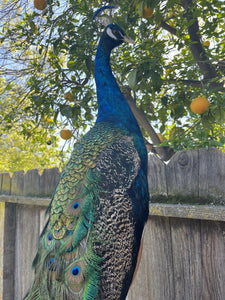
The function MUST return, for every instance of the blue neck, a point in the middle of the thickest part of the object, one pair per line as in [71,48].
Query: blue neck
[112,105]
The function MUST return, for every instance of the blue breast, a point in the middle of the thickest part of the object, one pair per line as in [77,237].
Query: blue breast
[112,105]
[113,108]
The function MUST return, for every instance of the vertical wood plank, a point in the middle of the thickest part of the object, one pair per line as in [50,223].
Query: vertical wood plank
[32,183]
[6,183]
[139,289]
[213,258]
[212,175]
[182,174]
[48,181]
[187,265]
[1,183]
[156,177]
[154,279]
[9,251]
[17,187]
[2,220]
[27,235]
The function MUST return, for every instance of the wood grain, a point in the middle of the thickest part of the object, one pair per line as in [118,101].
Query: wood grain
[212,175]
[182,174]
[200,212]
[184,242]
[9,251]
[48,182]
[187,270]
[27,233]
[2,223]
[157,256]
[191,176]
[6,183]
[157,177]
[213,260]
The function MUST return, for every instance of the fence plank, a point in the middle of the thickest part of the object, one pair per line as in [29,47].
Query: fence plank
[2,221]
[48,182]
[151,282]
[32,183]
[186,245]
[27,233]
[157,177]
[212,175]
[182,175]
[213,260]
[18,183]
[6,183]
[9,251]
[201,212]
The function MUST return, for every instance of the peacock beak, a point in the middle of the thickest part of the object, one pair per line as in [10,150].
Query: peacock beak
[127,39]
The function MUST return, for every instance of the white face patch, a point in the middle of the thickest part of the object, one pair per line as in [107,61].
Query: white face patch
[109,32]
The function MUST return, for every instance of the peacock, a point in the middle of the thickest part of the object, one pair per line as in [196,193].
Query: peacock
[90,244]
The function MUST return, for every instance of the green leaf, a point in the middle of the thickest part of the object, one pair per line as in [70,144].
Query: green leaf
[164,100]
[132,79]
[66,110]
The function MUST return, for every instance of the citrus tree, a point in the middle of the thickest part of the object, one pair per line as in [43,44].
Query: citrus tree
[178,57]
[24,143]
[18,153]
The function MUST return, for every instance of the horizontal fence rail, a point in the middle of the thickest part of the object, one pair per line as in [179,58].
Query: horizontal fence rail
[184,241]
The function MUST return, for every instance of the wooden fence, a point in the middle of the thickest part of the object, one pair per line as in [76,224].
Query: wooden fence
[184,241]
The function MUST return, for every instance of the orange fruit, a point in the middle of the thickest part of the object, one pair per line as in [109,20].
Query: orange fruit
[40,4]
[199,105]
[147,12]
[66,134]
[69,96]
[206,43]
[48,120]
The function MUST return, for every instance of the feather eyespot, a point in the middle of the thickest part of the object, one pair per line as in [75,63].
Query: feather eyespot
[50,237]
[70,226]
[59,233]
[75,271]
[74,208]
[75,276]
[49,240]
[76,205]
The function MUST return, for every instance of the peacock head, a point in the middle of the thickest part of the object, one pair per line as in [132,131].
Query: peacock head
[114,36]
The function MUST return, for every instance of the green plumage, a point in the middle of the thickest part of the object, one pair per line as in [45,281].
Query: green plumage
[77,228]
[88,249]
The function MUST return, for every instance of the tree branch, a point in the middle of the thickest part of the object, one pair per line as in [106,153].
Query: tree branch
[196,47]
[197,50]
[198,83]
[164,152]
[169,28]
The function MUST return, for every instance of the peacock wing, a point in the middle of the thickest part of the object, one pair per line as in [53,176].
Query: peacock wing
[66,266]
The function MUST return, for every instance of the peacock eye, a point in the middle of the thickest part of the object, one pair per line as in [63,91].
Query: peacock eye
[115,31]
[76,205]
[50,237]
[75,271]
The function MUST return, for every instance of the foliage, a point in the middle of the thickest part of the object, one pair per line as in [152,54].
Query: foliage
[51,52]
[17,153]
[24,143]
